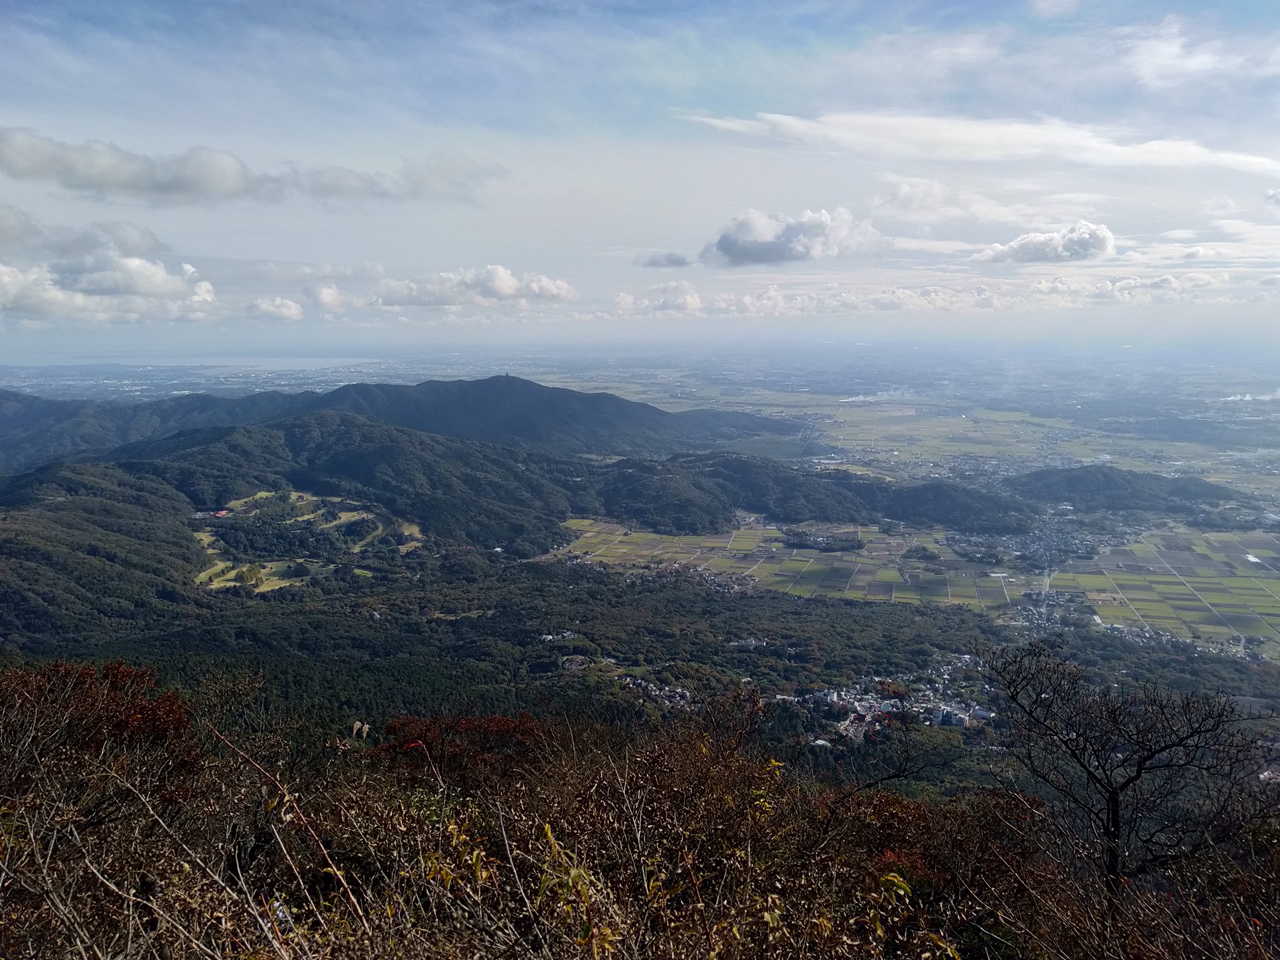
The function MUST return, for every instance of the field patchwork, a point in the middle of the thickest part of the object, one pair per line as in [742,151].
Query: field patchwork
[1220,589]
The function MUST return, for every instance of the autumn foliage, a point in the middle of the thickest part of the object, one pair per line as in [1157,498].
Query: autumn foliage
[132,826]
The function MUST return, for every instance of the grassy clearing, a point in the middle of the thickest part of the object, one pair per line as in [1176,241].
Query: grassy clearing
[274,573]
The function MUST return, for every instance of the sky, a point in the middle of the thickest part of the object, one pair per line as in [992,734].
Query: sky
[383,178]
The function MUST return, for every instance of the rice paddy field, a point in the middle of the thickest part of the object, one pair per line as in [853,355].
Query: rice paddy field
[1210,586]
[1214,588]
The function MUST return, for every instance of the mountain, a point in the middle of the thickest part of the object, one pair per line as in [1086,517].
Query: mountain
[86,545]
[455,491]
[492,495]
[89,544]
[506,410]
[1100,487]
[520,413]
[35,431]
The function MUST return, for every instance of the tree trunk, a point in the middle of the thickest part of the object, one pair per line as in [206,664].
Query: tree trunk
[1111,843]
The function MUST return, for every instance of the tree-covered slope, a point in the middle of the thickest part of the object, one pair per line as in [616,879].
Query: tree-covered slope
[490,495]
[516,412]
[81,546]
[506,410]
[700,493]
[456,491]
[1100,487]
[35,431]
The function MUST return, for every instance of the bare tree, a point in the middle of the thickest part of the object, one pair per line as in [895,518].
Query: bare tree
[1141,776]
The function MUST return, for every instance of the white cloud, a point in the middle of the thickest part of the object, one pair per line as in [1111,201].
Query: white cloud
[110,274]
[133,293]
[679,296]
[1163,57]
[757,237]
[491,284]
[486,287]
[279,307]
[330,298]
[1081,241]
[960,139]
[102,272]
[202,174]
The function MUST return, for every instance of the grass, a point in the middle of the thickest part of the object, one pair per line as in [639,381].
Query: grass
[274,574]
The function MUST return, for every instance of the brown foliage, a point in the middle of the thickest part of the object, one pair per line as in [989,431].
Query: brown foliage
[130,830]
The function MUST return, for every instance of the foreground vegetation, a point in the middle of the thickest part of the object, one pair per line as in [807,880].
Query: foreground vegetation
[146,824]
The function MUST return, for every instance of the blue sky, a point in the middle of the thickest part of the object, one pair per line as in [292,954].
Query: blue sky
[395,175]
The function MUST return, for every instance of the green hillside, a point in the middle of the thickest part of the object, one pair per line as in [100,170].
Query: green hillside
[506,410]
[1100,487]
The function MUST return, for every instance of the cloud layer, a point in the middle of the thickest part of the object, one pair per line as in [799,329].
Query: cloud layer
[202,174]
[963,139]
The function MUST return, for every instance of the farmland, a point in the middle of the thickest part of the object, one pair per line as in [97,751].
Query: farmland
[921,436]
[1203,587]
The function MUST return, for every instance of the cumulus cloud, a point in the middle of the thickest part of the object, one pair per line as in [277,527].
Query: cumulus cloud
[1081,241]
[134,291]
[669,260]
[679,296]
[756,237]
[961,139]
[202,174]
[104,272]
[492,284]
[330,298]
[280,308]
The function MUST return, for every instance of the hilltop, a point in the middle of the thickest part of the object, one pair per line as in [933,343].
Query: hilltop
[505,410]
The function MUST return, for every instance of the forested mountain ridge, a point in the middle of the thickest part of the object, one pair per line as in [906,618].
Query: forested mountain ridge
[1096,487]
[434,480]
[457,491]
[506,410]
[88,541]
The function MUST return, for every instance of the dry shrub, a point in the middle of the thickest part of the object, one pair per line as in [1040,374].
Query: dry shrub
[132,830]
